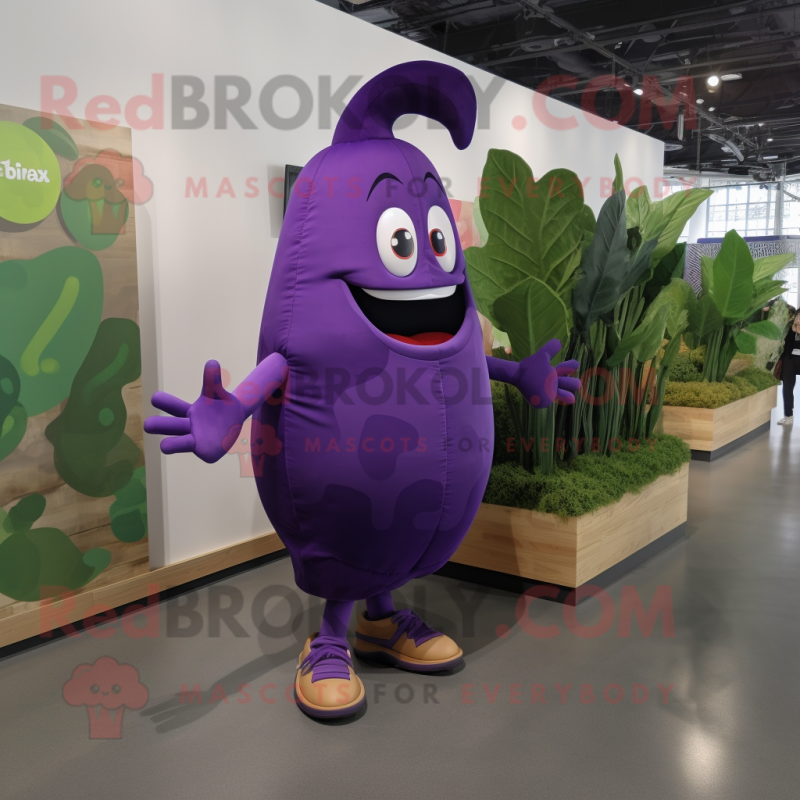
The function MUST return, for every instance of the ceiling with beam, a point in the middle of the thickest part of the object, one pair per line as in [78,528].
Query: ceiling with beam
[728,71]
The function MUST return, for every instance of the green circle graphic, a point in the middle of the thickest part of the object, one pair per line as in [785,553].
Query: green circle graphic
[30,179]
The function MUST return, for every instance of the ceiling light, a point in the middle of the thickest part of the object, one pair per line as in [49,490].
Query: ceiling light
[760,124]
[770,139]
[638,91]
[732,76]
[769,158]
[699,101]
[728,145]
[712,81]
[712,108]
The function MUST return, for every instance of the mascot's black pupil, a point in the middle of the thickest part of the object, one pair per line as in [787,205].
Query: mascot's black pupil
[403,243]
[438,243]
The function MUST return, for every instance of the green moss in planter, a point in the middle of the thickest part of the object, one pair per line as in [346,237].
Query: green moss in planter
[702,394]
[588,482]
[684,370]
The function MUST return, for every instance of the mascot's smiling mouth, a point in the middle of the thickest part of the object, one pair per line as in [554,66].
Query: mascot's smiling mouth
[414,316]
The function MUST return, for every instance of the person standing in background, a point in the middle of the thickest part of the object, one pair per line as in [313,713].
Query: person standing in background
[791,367]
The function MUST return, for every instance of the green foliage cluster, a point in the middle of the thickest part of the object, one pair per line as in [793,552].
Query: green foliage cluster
[683,371]
[702,394]
[735,289]
[585,483]
[577,486]
[609,289]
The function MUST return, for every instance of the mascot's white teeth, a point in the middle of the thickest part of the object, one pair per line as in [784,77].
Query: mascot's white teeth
[434,293]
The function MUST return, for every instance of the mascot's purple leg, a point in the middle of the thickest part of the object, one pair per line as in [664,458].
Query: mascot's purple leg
[380,606]
[336,618]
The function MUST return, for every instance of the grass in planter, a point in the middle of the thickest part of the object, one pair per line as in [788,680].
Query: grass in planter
[581,485]
[702,394]
[588,482]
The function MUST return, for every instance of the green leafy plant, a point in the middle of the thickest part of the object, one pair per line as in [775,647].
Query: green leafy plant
[522,278]
[734,288]
[631,306]
[610,290]
[580,485]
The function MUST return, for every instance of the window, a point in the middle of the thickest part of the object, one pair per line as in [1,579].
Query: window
[791,209]
[749,208]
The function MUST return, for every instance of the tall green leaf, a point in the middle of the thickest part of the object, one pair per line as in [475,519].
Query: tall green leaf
[672,265]
[530,229]
[638,207]
[619,179]
[746,343]
[765,290]
[766,267]
[765,328]
[675,211]
[732,275]
[704,318]
[533,314]
[646,339]
[476,215]
[587,223]
[639,269]
[678,297]
[707,273]
[604,265]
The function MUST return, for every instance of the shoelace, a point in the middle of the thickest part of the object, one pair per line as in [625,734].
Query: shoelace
[407,621]
[328,658]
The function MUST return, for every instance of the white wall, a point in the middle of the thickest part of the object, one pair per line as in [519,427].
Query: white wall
[204,264]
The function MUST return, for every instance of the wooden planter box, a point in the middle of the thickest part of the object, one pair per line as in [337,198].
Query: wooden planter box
[712,432]
[594,549]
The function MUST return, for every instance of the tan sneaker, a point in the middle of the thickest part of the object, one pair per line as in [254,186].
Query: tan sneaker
[405,641]
[326,685]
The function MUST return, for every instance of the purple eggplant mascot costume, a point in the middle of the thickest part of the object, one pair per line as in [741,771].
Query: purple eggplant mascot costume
[370,400]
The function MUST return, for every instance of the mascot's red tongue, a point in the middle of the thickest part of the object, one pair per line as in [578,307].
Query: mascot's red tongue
[423,338]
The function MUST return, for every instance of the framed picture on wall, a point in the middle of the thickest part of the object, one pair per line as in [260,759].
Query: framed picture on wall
[289,178]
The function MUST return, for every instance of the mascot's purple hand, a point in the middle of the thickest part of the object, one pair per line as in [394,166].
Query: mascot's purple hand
[208,427]
[541,384]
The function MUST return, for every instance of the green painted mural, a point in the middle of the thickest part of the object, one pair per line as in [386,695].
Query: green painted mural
[50,307]
[41,562]
[70,362]
[92,452]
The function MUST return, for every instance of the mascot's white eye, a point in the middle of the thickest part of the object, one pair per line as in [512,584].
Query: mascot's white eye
[397,242]
[443,242]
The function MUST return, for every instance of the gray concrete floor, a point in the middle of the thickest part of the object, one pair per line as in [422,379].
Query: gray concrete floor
[728,729]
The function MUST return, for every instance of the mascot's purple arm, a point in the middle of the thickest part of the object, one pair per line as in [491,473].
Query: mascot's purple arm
[210,426]
[373,462]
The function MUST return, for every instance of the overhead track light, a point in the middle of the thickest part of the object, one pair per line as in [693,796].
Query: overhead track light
[712,80]
[731,76]
[727,145]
